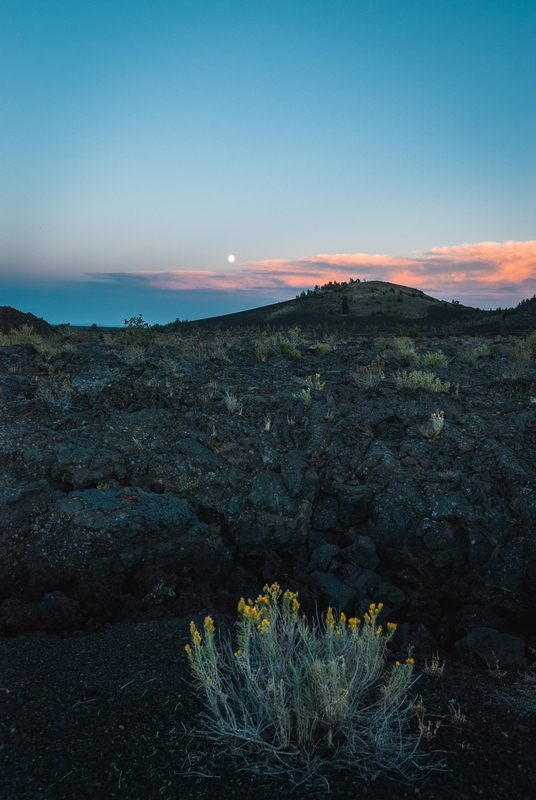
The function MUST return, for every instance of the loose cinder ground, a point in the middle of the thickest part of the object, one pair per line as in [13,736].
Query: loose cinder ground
[110,715]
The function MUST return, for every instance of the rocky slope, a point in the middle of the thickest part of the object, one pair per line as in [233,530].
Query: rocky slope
[142,475]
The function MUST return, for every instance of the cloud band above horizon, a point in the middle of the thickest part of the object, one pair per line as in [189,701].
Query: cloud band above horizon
[485,273]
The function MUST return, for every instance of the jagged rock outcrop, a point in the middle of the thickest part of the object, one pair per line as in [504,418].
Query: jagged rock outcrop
[195,458]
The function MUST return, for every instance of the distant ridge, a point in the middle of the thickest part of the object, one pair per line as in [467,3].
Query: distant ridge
[11,319]
[373,306]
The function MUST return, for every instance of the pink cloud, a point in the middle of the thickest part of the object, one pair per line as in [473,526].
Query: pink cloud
[486,273]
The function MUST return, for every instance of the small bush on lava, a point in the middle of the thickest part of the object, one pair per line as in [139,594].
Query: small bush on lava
[421,380]
[295,698]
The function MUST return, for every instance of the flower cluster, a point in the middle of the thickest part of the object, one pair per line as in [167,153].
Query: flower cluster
[308,692]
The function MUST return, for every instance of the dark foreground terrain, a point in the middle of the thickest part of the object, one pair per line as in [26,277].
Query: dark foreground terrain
[147,476]
[108,716]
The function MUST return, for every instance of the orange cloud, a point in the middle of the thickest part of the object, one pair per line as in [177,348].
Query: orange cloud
[486,273]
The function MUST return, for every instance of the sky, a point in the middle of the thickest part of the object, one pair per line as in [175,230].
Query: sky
[142,143]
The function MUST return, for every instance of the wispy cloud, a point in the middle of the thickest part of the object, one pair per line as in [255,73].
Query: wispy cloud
[488,273]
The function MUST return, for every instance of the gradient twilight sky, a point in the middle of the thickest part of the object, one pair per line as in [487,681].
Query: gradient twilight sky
[142,142]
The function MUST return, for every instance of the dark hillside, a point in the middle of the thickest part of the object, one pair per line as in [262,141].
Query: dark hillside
[361,307]
[11,319]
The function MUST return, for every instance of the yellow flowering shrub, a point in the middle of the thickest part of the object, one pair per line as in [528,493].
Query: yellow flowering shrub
[296,697]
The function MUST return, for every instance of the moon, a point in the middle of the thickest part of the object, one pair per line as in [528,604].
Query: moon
[230,258]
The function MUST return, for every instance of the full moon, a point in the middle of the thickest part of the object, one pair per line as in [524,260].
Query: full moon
[230,258]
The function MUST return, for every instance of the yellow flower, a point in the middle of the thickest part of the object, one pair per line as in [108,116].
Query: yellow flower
[391,627]
[410,661]
[353,622]
[252,613]
[188,650]
[290,595]
[266,622]
[238,653]
[342,618]
[209,678]
[262,599]
[241,604]
[196,638]
[295,604]
[192,627]
[379,630]
[397,663]
[330,620]
[209,624]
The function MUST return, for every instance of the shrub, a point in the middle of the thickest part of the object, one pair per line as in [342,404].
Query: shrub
[435,360]
[262,349]
[134,356]
[421,380]
[481,351]
[369,377]
[110,340]
[286,349]
[194,350]
[405,350]
[295,698]
[531,342]
[47,350]
[314,382]
[304,395]
[232,403]
[521,351]
[436,424]
[217,351]
[137,331]
[521,698]
[24,335]
[277,345]
[56,390]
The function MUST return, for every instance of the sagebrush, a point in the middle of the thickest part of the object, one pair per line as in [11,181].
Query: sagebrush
[294,698]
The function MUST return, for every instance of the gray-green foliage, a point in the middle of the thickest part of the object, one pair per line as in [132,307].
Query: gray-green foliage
[295,698]
[404,348]
[278,344]
[437,360]
[421,380]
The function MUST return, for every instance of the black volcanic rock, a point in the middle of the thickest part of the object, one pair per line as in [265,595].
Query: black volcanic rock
[488,648]
[153,486]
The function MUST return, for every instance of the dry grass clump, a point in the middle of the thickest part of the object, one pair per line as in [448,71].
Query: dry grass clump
[435,668]
[521,698]
[232,403]
[294,698]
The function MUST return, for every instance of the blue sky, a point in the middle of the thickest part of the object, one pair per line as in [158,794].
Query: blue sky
[144,139]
